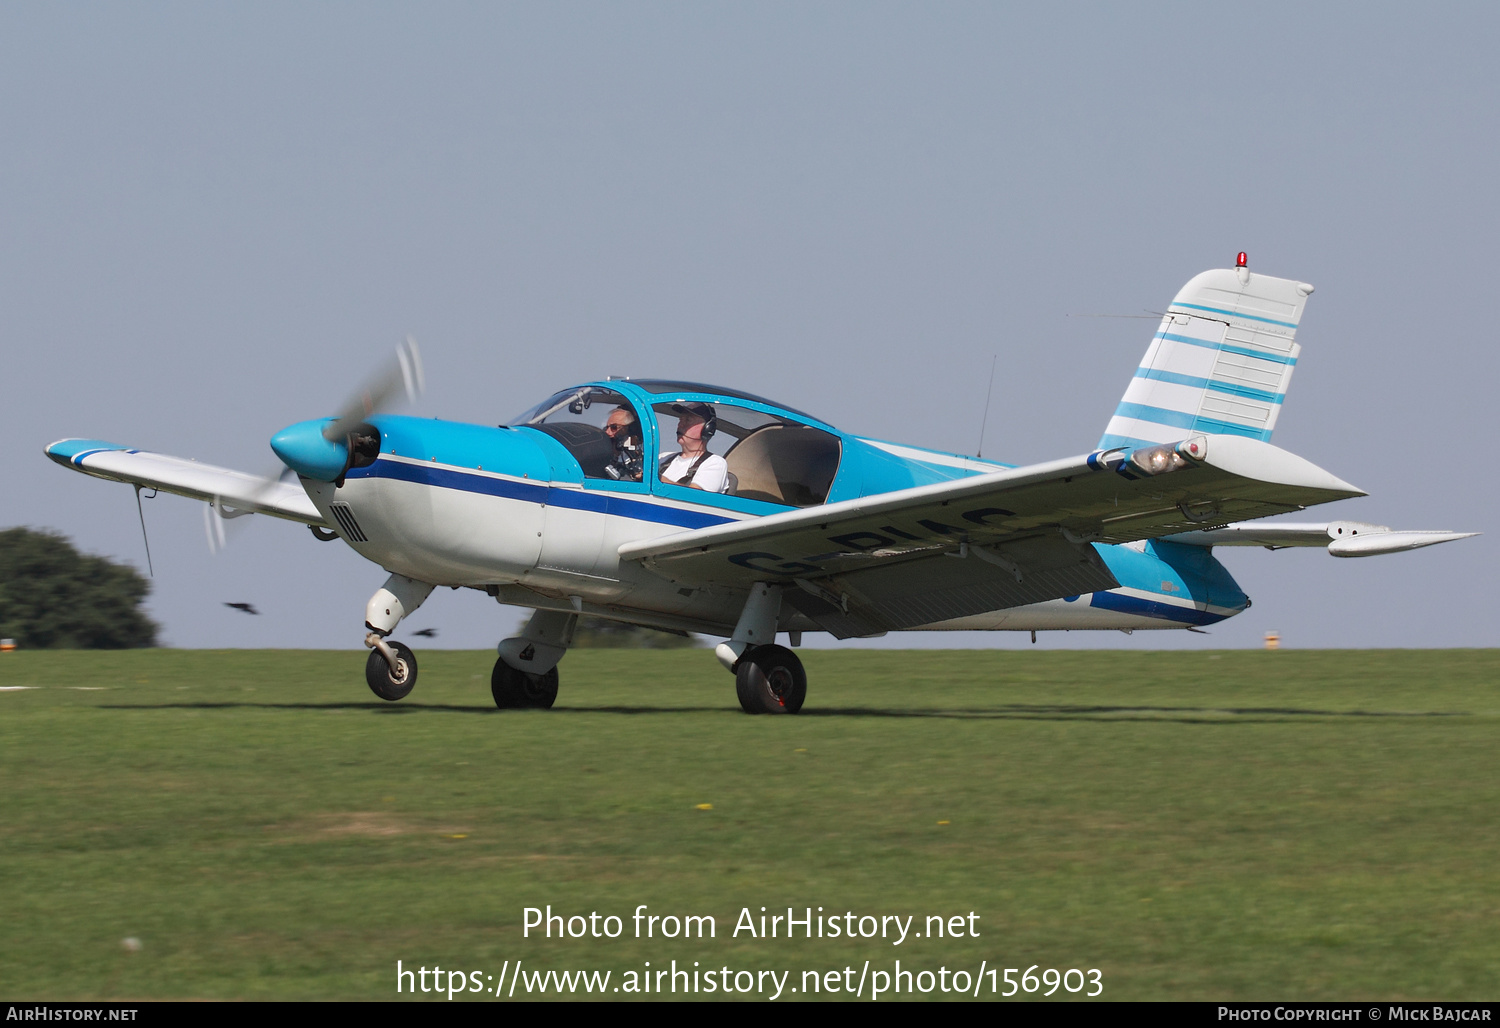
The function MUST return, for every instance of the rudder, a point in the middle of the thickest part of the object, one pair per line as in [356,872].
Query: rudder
[1219,363]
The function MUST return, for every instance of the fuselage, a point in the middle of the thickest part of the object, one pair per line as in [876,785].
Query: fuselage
[532,513]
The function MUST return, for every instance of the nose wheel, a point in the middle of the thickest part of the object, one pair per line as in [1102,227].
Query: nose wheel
[770,680]
[391,680]
[513,689]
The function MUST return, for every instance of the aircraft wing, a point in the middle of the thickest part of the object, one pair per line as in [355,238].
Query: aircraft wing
[231,490]
[881,562]
[1341,538]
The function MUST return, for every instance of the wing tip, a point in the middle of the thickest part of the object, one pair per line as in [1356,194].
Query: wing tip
[71,452]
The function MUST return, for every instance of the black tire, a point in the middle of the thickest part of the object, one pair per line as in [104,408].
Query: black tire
[513,689]
[392,683]
[770,680]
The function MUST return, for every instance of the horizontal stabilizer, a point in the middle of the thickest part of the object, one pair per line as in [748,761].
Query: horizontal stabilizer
[1342,538]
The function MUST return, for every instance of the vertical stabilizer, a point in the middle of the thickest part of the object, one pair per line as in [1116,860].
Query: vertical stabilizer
[1220,362]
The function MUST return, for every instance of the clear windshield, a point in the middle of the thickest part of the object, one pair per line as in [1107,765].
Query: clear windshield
[598,426]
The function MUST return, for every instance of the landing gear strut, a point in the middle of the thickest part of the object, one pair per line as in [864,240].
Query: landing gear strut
[526,673]
[768,679]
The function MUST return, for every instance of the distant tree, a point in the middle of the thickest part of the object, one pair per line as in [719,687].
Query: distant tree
[53,597]
[603,634]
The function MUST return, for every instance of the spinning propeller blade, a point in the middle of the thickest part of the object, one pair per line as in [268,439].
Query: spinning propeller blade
[399,379]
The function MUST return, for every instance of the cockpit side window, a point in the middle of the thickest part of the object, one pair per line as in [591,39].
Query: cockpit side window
[598,426]
[770,458]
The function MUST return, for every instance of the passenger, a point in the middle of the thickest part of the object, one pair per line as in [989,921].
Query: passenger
[624,430]
[694,466]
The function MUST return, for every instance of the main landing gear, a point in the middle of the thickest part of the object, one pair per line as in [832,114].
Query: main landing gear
[525,674]
[512,689]
[768,679]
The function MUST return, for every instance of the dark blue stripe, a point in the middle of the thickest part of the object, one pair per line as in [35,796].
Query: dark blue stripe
[530,492]
[447,478]
[1153,609]
[1237,314]
[79,458]
[639,510]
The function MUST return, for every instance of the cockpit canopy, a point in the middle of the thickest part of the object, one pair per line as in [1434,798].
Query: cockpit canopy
[772,455]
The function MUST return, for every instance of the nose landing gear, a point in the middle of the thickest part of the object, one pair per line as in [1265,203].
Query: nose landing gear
[391,679]
[391,669]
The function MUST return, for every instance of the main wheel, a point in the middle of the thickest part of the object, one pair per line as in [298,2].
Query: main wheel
[392,683]
[512,688]
[770,680]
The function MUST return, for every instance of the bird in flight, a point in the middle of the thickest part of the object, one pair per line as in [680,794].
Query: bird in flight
[430,633]
[248,608]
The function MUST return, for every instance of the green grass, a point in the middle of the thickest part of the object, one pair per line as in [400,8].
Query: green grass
[1237,825]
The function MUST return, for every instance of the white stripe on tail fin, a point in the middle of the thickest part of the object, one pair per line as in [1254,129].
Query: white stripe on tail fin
[1220,362]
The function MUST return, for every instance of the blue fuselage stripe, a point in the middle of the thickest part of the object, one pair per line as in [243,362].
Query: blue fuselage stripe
[1236,314]
[1126,604]
[574,499]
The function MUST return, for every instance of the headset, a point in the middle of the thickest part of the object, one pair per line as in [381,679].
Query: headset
[696,409]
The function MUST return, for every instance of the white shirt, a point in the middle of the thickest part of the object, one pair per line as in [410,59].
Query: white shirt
[712,475]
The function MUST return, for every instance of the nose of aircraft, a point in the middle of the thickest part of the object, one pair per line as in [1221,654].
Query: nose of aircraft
[302,448]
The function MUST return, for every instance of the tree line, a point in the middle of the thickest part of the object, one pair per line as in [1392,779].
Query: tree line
[53,597]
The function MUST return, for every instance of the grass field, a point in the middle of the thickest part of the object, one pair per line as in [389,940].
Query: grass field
[1235,825]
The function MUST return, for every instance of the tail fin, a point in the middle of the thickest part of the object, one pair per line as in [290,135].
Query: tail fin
[1220,362]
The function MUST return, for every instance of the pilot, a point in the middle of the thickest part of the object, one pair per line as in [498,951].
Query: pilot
[695,467]
[624,430]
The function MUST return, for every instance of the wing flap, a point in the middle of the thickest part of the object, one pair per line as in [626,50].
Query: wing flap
[232,489]
[937,587]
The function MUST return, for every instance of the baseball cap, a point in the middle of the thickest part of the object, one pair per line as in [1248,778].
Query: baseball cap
[695,409]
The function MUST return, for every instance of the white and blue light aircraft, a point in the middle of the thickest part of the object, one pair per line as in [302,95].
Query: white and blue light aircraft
[798,527]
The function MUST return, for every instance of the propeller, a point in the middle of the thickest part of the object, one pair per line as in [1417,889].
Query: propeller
[314,448]
[400,379]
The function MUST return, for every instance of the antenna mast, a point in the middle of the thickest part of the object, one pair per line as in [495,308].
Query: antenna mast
[989,394]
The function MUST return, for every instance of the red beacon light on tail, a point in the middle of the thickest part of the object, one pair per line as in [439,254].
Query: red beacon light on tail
[1242,261]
